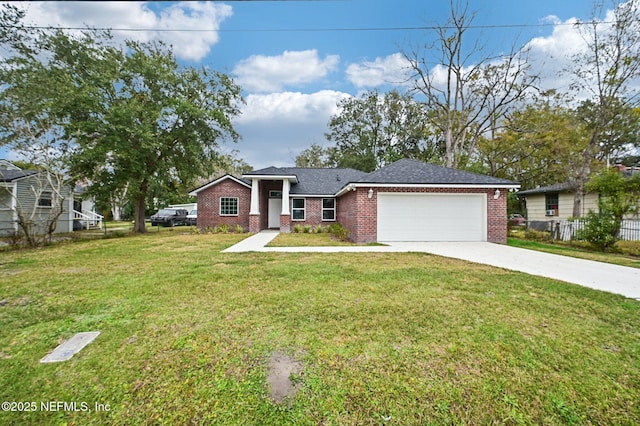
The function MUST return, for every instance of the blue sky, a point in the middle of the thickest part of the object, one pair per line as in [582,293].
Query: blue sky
[292,79]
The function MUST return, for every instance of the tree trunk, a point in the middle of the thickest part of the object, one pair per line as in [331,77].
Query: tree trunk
[584,172]
[449,154]
[139,226]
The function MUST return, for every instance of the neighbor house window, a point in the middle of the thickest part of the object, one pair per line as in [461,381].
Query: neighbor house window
[328,209]
[5,199]
[46,199]
[551,204]
[298,209]
[228,206]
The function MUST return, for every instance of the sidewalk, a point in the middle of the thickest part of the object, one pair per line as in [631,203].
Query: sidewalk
[253,243]
[258,242]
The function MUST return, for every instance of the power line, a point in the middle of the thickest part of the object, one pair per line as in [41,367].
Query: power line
[346,29]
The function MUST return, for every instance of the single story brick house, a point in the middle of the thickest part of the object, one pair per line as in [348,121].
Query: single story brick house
[405,201]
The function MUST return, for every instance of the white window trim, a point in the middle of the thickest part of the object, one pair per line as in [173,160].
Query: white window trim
[51,199]
[333,209]
[228,214]
[304,210]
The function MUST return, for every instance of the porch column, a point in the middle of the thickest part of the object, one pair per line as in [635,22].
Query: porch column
[255,205]
[285,196]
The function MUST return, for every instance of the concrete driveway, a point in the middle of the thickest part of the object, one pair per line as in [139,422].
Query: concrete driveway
[597,275]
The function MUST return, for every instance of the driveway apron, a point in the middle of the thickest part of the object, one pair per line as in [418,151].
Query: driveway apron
[597,275]
[615,279]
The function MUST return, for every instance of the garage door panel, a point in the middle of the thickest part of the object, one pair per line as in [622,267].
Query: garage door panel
[431,217]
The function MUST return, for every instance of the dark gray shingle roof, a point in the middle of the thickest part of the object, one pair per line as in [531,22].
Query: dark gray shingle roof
[11,175]
[313,181]
[416,172]
[558,187]
[317,181]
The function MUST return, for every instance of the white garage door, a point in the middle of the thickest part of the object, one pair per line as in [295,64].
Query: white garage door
[432,217]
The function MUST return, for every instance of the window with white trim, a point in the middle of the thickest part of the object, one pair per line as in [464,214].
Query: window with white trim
[46,199]
[328,209]
[228,206]
[6,198]
[298,209]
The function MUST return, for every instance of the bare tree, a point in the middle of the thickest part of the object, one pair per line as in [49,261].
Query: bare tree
[468,91]
[604,73]
[35,200]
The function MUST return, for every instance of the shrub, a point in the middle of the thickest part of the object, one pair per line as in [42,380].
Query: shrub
[306,229]
[339,232]
[532,234]
[297,229]
[630,248]
[238,229]
[318,229]
[601,229]
[222,229]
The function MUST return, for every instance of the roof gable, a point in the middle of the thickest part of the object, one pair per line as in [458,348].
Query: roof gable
[311,181]
[217,181]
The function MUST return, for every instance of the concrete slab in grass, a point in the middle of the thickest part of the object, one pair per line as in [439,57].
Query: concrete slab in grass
[68,349]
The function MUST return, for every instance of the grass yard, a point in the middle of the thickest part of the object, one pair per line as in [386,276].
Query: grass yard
[382,339]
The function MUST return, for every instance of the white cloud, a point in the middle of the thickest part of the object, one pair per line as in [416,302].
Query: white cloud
[291,106]
[261,73]
[552,55]
[276,127]
[392,69]
[189,45]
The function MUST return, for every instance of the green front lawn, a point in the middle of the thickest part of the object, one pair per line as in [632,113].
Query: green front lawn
[382,338]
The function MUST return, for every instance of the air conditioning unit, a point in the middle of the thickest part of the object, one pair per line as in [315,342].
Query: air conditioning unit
[551,212]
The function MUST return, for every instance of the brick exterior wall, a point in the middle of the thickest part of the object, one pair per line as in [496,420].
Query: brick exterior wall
[359,213]
[497,217]
[313,213]
[354,209]
[209,205]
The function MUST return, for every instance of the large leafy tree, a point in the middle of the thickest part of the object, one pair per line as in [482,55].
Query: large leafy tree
[316,156]
[133,121]
[375,129]
[11,28]
[538,146]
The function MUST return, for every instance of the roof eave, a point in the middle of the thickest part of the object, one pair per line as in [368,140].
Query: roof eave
[290,178]
[355,185]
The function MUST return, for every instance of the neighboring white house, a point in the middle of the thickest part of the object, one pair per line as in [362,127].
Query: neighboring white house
[555,202]
[37,195]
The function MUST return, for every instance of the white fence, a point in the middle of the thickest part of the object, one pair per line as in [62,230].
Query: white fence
[567,230]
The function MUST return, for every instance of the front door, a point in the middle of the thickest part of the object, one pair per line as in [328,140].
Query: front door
[275,207]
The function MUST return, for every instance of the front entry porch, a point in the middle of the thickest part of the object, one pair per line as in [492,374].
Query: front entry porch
[270,203]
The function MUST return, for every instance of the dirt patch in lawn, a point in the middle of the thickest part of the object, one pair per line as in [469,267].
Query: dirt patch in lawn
[283,371]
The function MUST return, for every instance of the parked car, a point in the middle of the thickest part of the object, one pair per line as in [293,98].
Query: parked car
[169,217]
[517,219]
[192,217]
